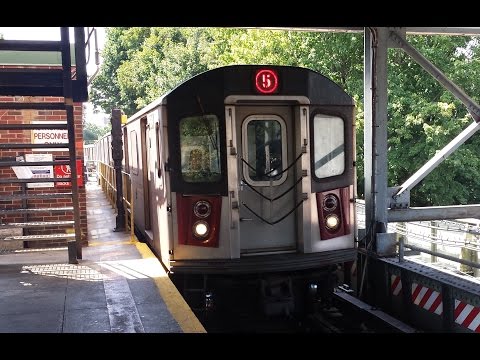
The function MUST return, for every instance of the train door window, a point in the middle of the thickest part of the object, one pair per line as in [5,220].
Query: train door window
[126,154]
[148,153]
[264,150]
[200,149]
[134,149]
[158,135]
[329,146]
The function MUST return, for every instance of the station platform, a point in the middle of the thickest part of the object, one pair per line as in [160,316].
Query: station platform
[118,287]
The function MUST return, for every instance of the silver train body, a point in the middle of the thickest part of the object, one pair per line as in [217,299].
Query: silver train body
[245,170]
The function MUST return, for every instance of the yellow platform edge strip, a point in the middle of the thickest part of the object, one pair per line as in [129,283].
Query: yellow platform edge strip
[176,304]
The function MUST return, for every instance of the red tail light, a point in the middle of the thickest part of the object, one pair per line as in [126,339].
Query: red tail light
[198,220]
[333,213]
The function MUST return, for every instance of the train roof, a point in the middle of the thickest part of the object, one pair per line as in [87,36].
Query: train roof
[239,79]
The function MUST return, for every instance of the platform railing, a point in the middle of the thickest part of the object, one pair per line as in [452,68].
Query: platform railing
[128,203]
[90,168]
[447,234]
[106,178]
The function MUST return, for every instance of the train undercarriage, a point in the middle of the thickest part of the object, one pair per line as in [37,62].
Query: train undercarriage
[242,302]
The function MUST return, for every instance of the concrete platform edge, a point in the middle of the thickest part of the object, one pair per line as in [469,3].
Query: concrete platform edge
[177,306]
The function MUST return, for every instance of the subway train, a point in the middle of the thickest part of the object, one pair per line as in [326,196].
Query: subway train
[243,185]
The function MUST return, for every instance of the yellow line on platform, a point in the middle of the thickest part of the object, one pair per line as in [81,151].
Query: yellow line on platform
[109,243]
[176,304]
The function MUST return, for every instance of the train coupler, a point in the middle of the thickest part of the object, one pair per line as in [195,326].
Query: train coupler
[276,296]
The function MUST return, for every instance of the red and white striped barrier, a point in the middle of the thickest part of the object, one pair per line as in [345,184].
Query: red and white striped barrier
[465,315]
[396,285]
[422,296]
[427,298]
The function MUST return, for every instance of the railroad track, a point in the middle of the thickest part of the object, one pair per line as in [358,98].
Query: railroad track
[344,313]
[347,314]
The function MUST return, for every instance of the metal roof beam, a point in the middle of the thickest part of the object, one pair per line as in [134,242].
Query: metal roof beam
[458,31]
[437,159]
[472,107]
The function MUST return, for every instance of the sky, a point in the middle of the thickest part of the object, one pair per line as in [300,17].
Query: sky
[53,33]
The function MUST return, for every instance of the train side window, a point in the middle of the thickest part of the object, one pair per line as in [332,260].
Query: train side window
[159,149]
[329,145]
[126,157]
[134,149]
[264,150]
[200,149]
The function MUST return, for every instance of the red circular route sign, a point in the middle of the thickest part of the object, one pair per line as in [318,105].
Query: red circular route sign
[266,81]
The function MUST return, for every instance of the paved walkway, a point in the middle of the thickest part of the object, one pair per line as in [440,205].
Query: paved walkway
[118,287]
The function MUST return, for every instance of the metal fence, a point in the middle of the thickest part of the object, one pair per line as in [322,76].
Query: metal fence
[449,244]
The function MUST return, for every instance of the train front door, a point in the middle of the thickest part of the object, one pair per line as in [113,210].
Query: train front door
[266,191]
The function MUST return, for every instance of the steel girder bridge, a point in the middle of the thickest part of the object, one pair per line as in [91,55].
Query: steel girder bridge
[425,297]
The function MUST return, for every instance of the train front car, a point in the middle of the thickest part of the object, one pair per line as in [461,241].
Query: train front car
[261,165]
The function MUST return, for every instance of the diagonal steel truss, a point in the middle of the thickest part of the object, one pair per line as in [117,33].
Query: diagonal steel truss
[383,204]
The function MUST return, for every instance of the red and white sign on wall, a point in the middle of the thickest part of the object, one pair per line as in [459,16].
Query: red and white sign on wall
[64,171]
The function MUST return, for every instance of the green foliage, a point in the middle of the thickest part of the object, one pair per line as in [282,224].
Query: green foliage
[92,132]
[337,56]
[89,136]
[120,46]
[141,64]
[423,117]
[166,58]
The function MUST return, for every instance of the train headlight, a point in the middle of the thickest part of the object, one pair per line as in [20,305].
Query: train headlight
[202,209]
[332,222]
[201,229]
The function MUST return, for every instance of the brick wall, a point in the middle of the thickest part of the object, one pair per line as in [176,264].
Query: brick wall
[25,136]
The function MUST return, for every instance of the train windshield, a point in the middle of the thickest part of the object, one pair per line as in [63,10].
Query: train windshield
[329,146]
[200,149]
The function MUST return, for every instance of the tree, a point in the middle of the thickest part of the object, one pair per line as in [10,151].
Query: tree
[166,58]
[140,64]
[92,132]
[143,63]
[120,46]
[424,117]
